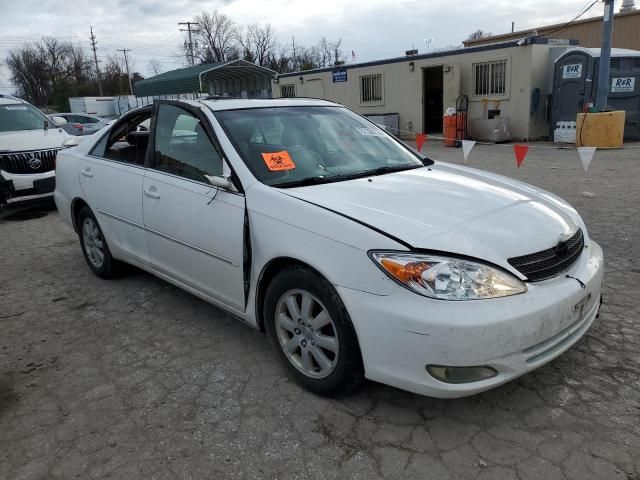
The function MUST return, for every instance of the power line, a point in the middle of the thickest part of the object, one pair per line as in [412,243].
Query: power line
[95,57]
[584,11]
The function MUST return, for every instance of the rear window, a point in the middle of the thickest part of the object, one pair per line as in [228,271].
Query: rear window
[20,116]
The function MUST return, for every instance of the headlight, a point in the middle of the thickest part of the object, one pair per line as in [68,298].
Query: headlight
[447,278]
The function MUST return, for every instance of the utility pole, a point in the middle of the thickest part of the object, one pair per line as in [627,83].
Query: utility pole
[293,49]
[126,64]
[95,57]
[513,27]
[190,46]
[602,95]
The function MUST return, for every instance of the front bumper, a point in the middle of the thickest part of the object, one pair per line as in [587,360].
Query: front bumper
[402,333]
[19,192]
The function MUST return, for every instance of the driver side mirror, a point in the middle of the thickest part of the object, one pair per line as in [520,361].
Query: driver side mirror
[221,181]
[59,121]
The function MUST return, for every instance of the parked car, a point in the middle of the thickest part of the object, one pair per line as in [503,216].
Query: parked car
[81,123]
[28,147]
[357,255]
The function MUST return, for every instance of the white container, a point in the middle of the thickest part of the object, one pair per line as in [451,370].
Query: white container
[565,132]
[100,106]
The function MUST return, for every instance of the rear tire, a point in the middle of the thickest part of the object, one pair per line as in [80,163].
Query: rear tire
[94,246]
[312,333]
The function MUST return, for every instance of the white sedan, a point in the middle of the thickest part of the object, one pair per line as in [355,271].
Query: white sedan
[358,256]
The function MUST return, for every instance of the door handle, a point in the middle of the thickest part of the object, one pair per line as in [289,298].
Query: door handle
[151,193]
[86,172]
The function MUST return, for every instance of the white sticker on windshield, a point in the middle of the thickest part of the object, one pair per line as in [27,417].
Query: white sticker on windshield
[372,132]
[16,107]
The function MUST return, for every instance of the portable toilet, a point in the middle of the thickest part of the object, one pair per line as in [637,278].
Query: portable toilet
[576,81]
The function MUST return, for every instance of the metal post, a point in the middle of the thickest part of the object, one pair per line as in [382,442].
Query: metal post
[602,95]
[95,57]
[126,63]
[190,46]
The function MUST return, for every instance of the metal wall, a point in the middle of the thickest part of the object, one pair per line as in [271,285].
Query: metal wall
[626,32]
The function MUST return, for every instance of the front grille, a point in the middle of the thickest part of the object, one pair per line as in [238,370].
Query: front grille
[37,161]
[551,262]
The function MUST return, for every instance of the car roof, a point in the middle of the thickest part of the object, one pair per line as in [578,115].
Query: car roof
[219,104]
[78,114]
[10,100]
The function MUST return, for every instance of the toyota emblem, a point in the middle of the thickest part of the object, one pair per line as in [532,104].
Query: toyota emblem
[35,163]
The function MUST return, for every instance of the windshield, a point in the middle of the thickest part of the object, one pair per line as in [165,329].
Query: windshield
[20,116]
[295,146]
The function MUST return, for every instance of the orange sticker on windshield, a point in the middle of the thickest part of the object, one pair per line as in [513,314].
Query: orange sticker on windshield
[278,161]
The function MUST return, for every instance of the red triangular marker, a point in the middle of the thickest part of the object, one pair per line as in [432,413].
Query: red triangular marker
[420,139]
[521,153]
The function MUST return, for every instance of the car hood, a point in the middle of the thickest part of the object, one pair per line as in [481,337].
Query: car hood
[25,140]
[452,209]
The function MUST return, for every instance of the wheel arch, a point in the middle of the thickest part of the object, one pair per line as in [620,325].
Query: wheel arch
[268,273]
[76,205]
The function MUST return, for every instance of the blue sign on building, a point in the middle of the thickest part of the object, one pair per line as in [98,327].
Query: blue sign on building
[339,76]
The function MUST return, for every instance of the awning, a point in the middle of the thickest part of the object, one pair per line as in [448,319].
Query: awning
[229,77]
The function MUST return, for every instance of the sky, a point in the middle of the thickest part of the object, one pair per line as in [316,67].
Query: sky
[372,29]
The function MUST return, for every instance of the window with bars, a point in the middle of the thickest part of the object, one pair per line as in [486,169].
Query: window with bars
[288,91]
[490,78]
[371,88]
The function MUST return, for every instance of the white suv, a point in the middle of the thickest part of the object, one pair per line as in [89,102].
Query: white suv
[29,143]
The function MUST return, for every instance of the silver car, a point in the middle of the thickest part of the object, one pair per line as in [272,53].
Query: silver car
[81,123]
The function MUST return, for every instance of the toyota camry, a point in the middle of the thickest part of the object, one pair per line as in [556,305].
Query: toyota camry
[358,256]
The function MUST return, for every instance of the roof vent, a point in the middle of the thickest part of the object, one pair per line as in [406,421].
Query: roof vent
[408,53]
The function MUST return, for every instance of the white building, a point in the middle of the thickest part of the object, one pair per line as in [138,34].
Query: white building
[514,77]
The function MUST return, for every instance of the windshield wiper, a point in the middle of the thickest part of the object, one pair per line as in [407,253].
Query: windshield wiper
[312,181]
[387,169]
[349,176]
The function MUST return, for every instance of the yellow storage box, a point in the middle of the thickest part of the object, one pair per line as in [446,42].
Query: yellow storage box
[602,130]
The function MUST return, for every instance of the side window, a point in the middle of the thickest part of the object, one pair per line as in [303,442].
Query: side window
[127,140]
[182,146]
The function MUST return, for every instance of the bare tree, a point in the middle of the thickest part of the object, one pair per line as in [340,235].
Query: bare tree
[262,39]
[29,74]
[324,53]
[217,36]
[478,35]
[155,66]
[79,65]
[280,60]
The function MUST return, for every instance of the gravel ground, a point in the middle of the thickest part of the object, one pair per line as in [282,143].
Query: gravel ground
[135,379]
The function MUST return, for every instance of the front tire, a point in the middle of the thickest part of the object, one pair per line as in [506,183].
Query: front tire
[94,246]
[312,333]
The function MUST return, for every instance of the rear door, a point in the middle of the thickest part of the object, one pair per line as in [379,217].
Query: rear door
[111,178]
[194,231]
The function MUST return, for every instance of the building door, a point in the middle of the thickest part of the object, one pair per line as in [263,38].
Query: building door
[432,99]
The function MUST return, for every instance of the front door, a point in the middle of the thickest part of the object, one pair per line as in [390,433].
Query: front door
[194,231]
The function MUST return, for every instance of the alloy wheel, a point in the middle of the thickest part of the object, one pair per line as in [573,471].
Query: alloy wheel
[306,333]
[93,242]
